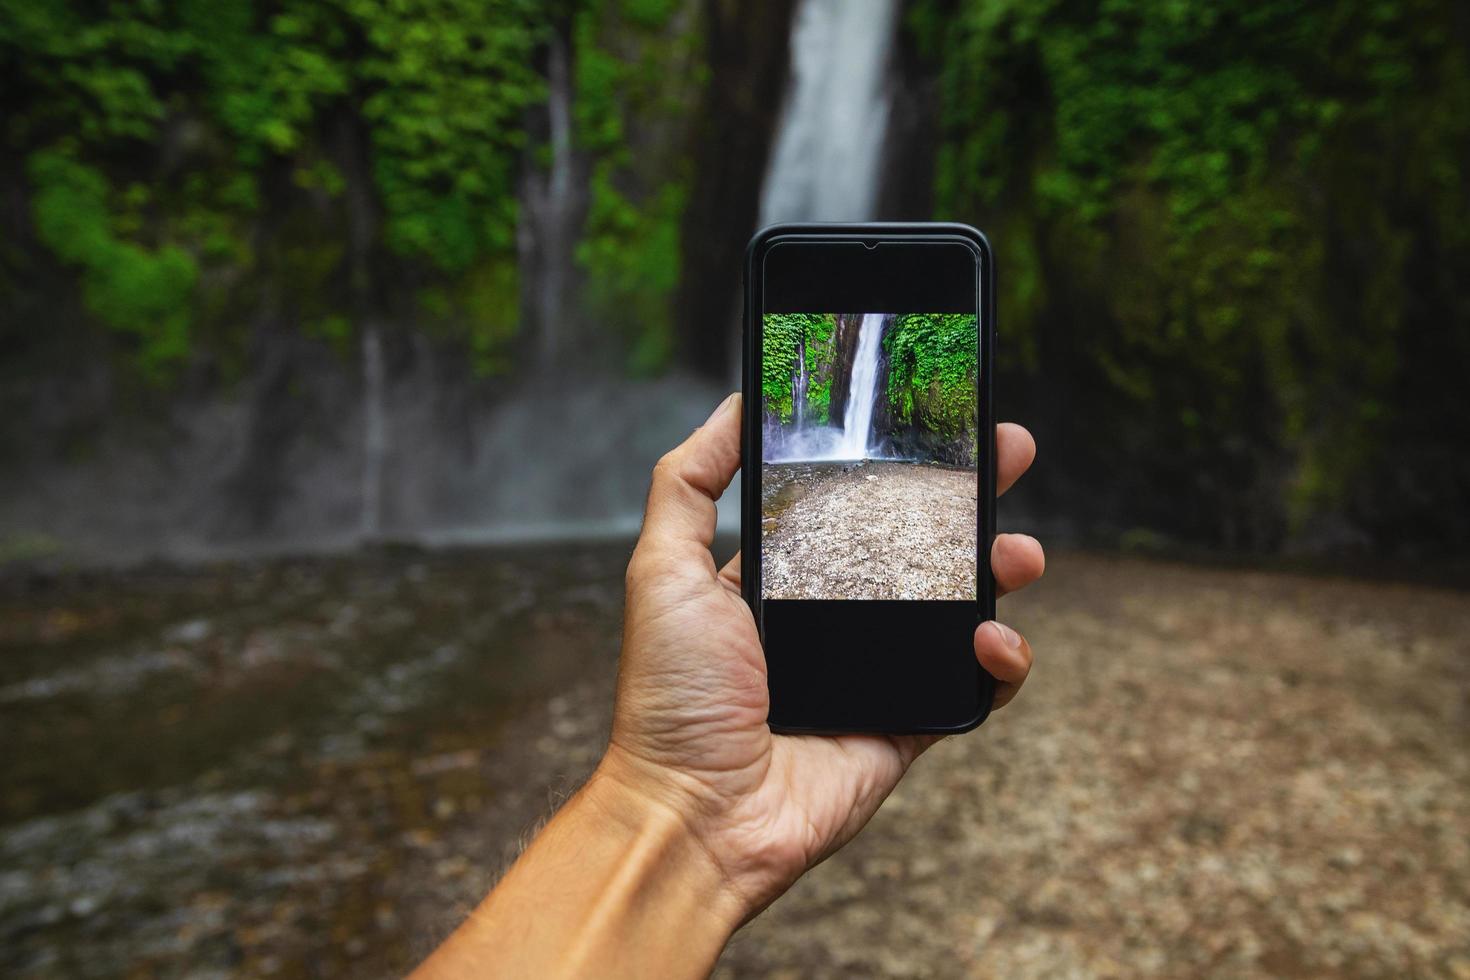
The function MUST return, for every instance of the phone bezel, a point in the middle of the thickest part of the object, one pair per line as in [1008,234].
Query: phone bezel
[753,291]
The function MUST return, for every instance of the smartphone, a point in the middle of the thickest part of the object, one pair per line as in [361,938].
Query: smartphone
[868,483]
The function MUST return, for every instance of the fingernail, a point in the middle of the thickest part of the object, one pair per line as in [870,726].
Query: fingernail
[1008,636]
[720,408]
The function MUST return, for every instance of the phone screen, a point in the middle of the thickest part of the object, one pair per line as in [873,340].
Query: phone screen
[868,455]
[865,520]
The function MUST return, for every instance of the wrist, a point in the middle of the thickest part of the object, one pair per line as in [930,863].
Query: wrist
[668,859]
[616,885]
[669,819]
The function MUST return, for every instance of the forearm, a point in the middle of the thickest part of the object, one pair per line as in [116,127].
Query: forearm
[613,886]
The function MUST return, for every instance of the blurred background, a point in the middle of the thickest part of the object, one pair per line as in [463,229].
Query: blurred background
[339,338]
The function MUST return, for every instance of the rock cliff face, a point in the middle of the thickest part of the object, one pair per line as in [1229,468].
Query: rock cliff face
[913,441]
[321,401]
[748,55]
[845,339]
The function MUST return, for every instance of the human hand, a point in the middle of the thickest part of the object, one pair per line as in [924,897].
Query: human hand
[689,729]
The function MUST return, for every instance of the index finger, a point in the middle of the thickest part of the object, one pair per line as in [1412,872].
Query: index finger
[691,477]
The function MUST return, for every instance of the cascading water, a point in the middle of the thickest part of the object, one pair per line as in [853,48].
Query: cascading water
[374,434]
[558,203]
[827,157]
[549,205]
[857,423]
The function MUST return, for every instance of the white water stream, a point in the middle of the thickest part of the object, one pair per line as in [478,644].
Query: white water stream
[828,149]
[857,422]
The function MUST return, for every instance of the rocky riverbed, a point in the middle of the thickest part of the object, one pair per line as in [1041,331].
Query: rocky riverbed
[314,767]
[867,530]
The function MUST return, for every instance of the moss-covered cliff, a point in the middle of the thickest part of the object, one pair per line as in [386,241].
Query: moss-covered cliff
[1233,257]
[1231,241]
[928,404]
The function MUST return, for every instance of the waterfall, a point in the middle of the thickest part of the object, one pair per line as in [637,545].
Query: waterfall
[545,233]
[857,423]
[374,434]
[558,199]
[800,440]
[825,166]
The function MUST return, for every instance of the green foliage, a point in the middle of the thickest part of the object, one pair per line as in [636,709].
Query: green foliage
[821,363]
[488,297]
[819,398]
[648,13]
[932,372]
[142,292]
[1213,222]
[401,126]
[631,63]
[782,338]
[232,93]
[447,83]
[632,258]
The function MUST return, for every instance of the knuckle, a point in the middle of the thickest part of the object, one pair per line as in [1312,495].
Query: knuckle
[637,567]
[667,466]
[649,564]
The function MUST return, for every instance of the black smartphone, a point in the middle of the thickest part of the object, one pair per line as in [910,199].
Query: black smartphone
[868,483]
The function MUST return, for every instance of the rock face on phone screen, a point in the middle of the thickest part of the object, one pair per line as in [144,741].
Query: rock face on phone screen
[869,450]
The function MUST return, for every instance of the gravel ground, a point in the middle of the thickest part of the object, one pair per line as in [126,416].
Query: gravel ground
[868,530]
[1210,773]
[315,768]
